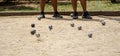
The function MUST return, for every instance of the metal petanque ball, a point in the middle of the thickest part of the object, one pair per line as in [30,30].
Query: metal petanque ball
[33,31]
[50,27]
[71,14]
[103,23]
[72,24]
[79,27]
[32,25]
[39,18]
[90,35]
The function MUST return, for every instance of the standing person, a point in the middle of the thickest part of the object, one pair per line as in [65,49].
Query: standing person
[85,14]
[54,4]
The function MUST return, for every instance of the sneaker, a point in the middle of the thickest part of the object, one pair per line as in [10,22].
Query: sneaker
[74,15]
[41,15]
[86,15]
[57,15]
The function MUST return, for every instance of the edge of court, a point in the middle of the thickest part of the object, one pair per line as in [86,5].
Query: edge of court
[92,13]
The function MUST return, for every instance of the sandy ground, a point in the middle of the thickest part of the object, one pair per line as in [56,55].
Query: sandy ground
[63,40]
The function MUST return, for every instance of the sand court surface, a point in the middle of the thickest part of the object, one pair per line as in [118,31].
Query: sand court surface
[62,40]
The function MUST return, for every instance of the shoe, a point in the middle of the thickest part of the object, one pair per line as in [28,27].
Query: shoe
[41,15]
[74,15]
[57,15]
[86,15]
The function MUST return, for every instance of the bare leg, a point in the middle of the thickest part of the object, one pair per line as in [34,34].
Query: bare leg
[74,14]
[56,14]
[54,4]
[42,5]
[83,3]
[74,4]
[85,13]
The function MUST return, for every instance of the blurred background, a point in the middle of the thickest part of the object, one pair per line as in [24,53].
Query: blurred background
[63,5]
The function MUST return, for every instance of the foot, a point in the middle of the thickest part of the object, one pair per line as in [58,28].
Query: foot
[57,15]
[41,15]
[74,15]
[86,15]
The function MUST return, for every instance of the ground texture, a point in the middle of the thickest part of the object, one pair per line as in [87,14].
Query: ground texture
[62,40]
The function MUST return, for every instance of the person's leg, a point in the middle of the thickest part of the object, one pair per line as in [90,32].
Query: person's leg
[42,5]
[83,4]
[85,13]
[56,13]
[74,14]
[54,4]
[74,4]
